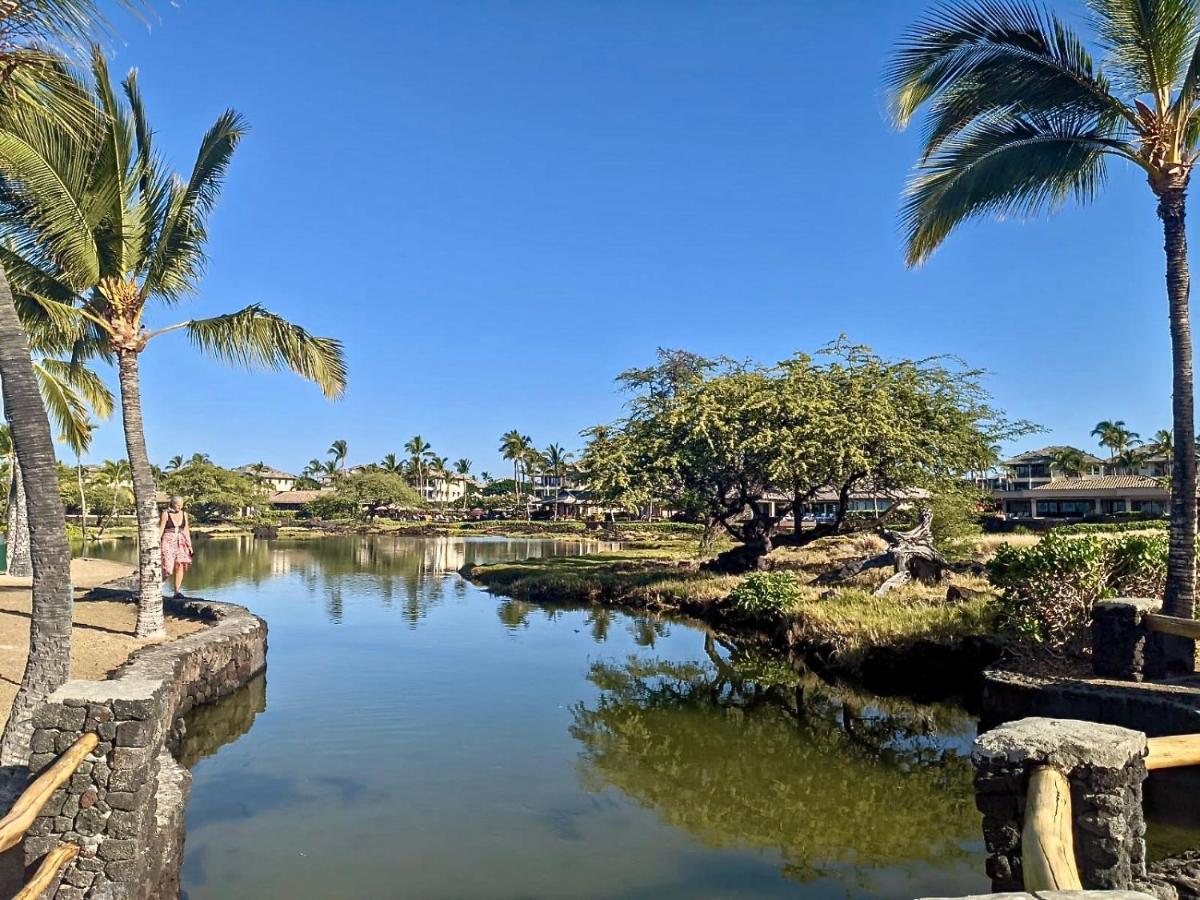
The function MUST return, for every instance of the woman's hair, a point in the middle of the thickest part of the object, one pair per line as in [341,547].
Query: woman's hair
[175,497]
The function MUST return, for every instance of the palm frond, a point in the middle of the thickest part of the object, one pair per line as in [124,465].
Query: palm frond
[178,259]
[1002,165]
[90,386]
[1149,43]
[63,404]
[256,338]
[971,59]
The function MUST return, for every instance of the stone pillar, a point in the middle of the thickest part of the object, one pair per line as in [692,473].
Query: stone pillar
[109,806]
[1105,767]
[1119,639]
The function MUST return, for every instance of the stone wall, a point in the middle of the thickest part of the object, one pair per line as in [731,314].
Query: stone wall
[1119,639]
[1105,767]
[125,805]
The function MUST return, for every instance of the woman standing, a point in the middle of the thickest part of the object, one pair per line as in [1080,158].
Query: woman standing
[175,538]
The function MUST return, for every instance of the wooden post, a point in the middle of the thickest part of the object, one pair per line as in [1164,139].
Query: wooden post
[1047,843]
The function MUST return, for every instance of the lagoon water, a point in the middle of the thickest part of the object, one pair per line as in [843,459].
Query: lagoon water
[417,737]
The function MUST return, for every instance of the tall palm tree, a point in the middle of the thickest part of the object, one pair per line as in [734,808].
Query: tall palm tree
[175,462]
[117,478]
[440,467]
[101,228]
[1115,436]
[30,88]
[338,450]
[1021,119]
[80,443]
[462,468]
[392,464]
[418,450]
[514,447]
[556,459]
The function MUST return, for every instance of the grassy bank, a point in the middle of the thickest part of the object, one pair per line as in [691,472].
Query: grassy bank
[840,629]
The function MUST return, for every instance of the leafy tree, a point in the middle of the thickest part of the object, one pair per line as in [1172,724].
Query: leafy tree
[214,493]
[1021,119]
[724,437]
[366,493]
[97,226]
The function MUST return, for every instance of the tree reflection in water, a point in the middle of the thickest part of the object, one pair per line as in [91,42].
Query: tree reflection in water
[211,727]
[413,574]
[741,752]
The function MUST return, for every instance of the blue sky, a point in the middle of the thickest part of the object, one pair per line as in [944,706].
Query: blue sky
[500,205]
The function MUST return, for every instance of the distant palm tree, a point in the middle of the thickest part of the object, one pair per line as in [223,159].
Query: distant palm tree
[110,232]
[117,477]
[392,464]
[440,466]
[462,467]
[555,460]
[1115,436]
[80,442]
[339,450]
[199,459]
[175,462]
[515,447]
[1130,459]
[315,467]
[1021,119]
[1068,461]
[418,450]
[486,477]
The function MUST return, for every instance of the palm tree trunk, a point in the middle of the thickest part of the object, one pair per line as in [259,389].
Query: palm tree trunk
[19,563]
[82,504]
[150,605]
[1178,654]
[49,663]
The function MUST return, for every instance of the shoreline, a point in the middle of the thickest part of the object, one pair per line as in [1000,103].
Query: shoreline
[927,664]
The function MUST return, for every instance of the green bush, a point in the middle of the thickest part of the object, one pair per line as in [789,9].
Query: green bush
[1047,590]
[1114,527]
[766,594]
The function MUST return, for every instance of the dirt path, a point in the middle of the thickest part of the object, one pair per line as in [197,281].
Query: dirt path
[102,638]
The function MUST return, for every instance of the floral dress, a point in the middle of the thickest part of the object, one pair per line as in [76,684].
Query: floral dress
[176,546]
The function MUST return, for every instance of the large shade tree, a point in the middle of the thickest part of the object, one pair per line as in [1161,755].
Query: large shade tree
[1021,118]
[97,226]
[746,445]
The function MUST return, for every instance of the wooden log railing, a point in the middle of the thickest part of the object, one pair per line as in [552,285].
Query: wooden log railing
[52,863]
[1188,628]
[23,813]
[30,803]
[1047,841]
[1173,752]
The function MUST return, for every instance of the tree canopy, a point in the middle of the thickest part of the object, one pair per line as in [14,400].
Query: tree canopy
[722,437]
[213,493]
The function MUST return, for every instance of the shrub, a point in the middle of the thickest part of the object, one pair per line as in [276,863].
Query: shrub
[1048,589]
[766,594]
[1114,527]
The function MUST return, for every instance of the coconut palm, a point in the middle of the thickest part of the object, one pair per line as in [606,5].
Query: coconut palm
[462,468]
[100,227]
[514,447]
[338,450]
[80,442]
[1068,462]
[116,477]
[440,467]
[556,459]
[1129,460]
[175,462]
[392,464]
[1115,436]
[1021,119]
[418,450]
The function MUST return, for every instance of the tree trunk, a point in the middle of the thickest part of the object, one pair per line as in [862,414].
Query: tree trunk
[751,554]
[19,564]
[911,553]
[82,506]
[1178,654]
[150,601]
[49,662]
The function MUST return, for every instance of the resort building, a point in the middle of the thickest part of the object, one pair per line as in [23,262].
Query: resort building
[445,489]
[294,500]
[1030,486]
[273,479]
[864,501]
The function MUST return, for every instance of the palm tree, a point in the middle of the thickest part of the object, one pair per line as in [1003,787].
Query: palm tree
[392,464]
[1115,436]
[175,462]
[1069,461]
[440,466]
[117,477]
[80,442]
[462,468]
[486,477]
[514,446]
[418,450]
[100,228]
[32,89]
[338,450]
[1022,119]
[199,459]
[556,460]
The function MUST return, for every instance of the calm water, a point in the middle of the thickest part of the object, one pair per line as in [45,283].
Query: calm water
[416,737]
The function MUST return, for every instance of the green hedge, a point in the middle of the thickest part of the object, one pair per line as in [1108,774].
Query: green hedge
[1047,590]
[1114,527]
